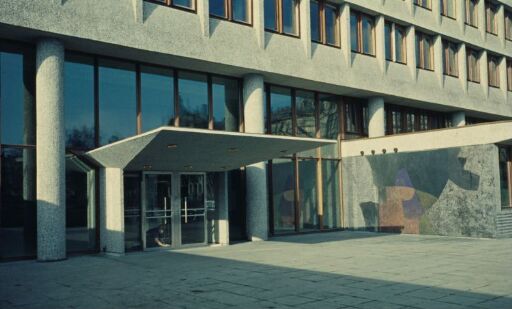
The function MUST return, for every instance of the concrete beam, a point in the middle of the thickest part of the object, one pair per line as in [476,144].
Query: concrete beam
[50,141]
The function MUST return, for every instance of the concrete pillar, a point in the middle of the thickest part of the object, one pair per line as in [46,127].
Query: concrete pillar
[460,13]
[484,73]
[203,11]
[436,11]
[137,6]
[376,117]
[411,51]
[438,59]
[380,44]
[256,175]
[459,119]
[50,166]
[259,22]
[481,19]
[463,67]
[305,26]
[345,34]
[503,76]
[501,24]
[111,210]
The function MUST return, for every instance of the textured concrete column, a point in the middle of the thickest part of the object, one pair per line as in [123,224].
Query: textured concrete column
[345,33]
[50,166]
[256,175]
[502,68]
[463,67]
[112,210]
[501,24]
[377,117]
[259,22]
[411,50]
[460,13]
[484,73]
[438,59]
[137,6]
[305,26]
[436,11]
[481,18]
[380,44]
[203,11]
[459,119]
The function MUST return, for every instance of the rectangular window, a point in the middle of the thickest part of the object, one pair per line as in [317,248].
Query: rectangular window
[491,17]
[193,99]
[283,195]
[494,71]
[450,63]
[448,8]
[225,100]
[305,110]
[423,3]
[401,119]
[388,28]
[181,4]
[355,118]
[424,52]
[280,111]
[508,25]
[505,166]
[157,97]
[400,44]
[362,32]
[233,10]
[324,22]
[472,13]
[473,64]
[509,75]
[281,16]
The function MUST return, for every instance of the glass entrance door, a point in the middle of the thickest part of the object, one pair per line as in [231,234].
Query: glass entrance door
[193,209]
[158,211]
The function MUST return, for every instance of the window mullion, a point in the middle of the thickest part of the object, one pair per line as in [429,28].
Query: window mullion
[228,8]
[279,17]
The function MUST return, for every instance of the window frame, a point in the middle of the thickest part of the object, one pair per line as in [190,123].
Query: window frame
[476,54]
[323,24]
[447,46]
[491,7]
[508,149]
[170,3]
[279,19]
[359,32]
[228,8]
[444,9]
[426,4]
[509,74]
[431,116]
[473,22]
[508,21]
[420,38]
[493,81]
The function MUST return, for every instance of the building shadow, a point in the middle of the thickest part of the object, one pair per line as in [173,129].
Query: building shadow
[328,236]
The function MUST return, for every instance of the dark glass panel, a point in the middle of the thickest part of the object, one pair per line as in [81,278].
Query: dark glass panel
[193,209]
[18,203]
[17,116]
[132,212]
[226,99]
[189,4]
[158,212]
[396,118]
[504,157]
[331,16]
[281,110]
[157,97]
[367,36]
[283,195]
[241,10]
[79,101]
[399,45]
[387,41]
[305,107]
[217,8]
[117,98]
[353,32]
[331,194]
[308,197]
[80,205]
[237,205]
[329,120]
[410,121]
[315,21]
[193,99]
[289,10]
[270,14]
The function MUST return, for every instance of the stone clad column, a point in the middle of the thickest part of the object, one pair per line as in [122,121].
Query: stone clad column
[50,147]
[256,175]
[376,117]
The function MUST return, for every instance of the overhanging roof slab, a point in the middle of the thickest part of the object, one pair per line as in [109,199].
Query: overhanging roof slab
[198,150]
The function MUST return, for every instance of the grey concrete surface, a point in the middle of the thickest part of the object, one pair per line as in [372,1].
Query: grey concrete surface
[377,117]
[329,270]
[50,140]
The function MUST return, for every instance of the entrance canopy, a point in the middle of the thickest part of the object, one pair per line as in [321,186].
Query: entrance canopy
[198,150]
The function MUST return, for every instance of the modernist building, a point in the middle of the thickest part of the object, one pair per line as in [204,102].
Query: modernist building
[139,124]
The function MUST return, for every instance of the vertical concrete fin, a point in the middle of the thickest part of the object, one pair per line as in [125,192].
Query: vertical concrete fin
[138,6]
[481,19]
[345,34]
[380,50]
[503,76]
[305,28]
[484,73]
[438,59]
[203,11]
[501,24]
[411,51]
[259,22]
[463,67]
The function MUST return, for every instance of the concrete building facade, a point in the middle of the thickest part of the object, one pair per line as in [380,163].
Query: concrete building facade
[146,124]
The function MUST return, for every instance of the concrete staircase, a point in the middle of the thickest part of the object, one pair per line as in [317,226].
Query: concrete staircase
[504,224]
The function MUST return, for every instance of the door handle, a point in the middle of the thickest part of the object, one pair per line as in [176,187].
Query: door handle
[186,211]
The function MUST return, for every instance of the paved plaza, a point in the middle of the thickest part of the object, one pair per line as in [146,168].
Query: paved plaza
[328,270]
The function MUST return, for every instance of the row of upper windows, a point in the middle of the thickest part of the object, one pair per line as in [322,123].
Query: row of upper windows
[281,16]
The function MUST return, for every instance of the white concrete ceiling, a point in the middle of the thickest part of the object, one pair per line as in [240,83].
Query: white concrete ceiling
[198,150]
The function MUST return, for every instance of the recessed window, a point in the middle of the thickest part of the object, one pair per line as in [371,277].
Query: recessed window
[508,25]
[324,22]
[401,119]
[181,4]
[362,33]
[505,169]
[472,12]
[448,8]
[494,72]
[281,16]
[491,18]
[509,75]
[424,51]
[394,42]
[233,10]
[473,65]
[423,3]
[450,63]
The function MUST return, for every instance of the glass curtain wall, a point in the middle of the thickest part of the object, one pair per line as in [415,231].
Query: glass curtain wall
[17,152]
[304,188]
